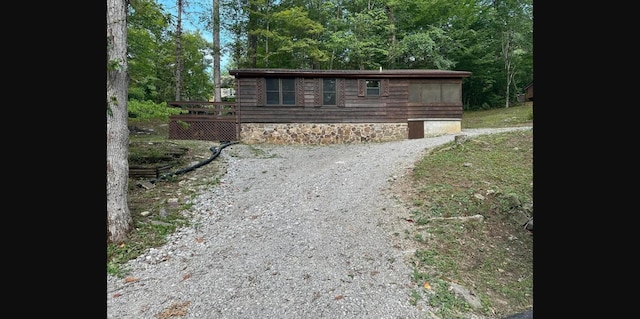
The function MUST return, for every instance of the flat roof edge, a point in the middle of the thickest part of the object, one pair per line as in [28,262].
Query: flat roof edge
[400,73]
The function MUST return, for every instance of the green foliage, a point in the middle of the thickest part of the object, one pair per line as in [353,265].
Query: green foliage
[117,256]
[183,124]
[197,79]
[148,110]
[424,49]
[152,57]
[288,39]
[367,39]
[415,296]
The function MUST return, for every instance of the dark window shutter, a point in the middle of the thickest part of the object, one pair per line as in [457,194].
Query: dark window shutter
[362,87]
[317,95]
[385,87]
[299,91]
[340,92]
[260,100]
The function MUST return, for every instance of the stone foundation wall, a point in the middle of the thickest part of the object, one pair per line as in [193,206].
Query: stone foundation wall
[310,133]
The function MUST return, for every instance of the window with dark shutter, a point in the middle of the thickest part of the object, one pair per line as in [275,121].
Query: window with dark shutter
[373,87]
[329,91]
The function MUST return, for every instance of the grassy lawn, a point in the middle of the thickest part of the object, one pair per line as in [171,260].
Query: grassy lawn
[517,115]
[469,204]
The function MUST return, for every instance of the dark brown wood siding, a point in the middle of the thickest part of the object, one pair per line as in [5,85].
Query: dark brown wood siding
[249,89]
[392,106]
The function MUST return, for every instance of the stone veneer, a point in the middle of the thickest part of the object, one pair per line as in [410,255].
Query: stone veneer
[311,133]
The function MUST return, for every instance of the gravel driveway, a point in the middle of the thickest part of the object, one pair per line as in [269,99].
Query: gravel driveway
[289,232]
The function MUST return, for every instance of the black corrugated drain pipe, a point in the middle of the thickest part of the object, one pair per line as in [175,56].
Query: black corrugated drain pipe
[216,151]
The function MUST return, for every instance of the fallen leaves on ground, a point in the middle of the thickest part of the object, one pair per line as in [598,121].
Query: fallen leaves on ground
[175,310]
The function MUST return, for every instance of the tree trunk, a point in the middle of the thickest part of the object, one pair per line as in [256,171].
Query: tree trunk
[507,53]
[119,221]
[216,52]
[179,53]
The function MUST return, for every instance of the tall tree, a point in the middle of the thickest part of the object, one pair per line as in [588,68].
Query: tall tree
[179,52]
[290,40]
[234,18]
[252,23]
[119,221]
[196,73]
[367,38]
[216,51]
[147,27]
[513,20]
[471,24]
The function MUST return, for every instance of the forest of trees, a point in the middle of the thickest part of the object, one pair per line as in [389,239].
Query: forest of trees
[493,39]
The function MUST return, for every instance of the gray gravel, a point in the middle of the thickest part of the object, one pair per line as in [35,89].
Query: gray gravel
[294,232]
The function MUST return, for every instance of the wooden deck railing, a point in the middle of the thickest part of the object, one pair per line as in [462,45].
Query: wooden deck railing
[217,109]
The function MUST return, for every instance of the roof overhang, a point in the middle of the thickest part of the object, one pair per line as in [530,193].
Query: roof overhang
[404,73]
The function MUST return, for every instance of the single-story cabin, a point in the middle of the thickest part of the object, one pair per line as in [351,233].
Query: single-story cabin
[291,106]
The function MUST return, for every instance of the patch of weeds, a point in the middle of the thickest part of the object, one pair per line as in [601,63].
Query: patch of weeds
[118,256]
[419,218]
[116,269]
[215,181]
[447,305]
[260,153]
[188,206]
[415,297]
[438,296]
[147,233]
[170,178]
[432,259]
